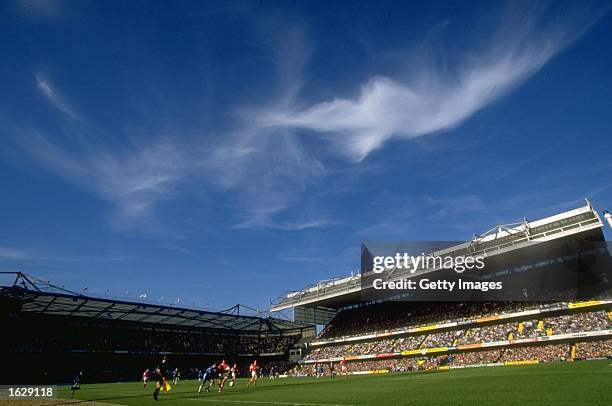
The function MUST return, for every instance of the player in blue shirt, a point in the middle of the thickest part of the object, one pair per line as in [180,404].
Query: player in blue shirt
[76,383]
[209,375]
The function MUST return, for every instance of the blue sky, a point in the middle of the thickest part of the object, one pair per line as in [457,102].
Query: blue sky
[224,152]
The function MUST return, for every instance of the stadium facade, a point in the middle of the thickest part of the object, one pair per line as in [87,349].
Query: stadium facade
[383,334]
[52,333]
[320,302]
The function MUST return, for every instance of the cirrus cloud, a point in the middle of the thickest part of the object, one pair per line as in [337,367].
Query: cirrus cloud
[432,100]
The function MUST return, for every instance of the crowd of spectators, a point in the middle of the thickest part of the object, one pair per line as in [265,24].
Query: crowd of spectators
[393,316]
[395,365]
[484,334]
[594,349]
[273,369]
[389,316]
[140,340]
[369,347]
[569,323]
[475,358]
[579,322]
[442,339]
[527,329]
[541,353]
[492,332]
[587,321]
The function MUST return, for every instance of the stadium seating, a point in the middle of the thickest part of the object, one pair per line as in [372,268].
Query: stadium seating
[462,332]
[384,317]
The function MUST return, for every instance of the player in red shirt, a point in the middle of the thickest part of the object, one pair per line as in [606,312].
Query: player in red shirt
[234,372]
[253,369]
[223,370]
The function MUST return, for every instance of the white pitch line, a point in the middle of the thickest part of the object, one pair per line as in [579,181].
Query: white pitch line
[266,403]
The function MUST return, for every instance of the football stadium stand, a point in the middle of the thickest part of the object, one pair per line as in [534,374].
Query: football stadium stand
[51,333]
[532,324]
[385,335]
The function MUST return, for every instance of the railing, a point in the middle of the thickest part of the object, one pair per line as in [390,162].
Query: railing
[572,225]
[567,337]
[436,327]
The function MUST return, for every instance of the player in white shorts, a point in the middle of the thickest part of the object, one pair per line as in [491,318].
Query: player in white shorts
[234,374]
[253,369]
[223,370]
[343,369]
[145,378]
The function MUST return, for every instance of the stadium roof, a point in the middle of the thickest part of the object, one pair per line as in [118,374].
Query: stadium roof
[40,297]
[501,239]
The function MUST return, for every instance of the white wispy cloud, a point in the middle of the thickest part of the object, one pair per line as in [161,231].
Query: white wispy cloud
[40,9]
[267,174]
[131,178]
[132,175]
[54,97]
[10,253]
[432,100]
[21,254]
[265,219]
[262,168]
[293,258]
[441,212]
[260,172]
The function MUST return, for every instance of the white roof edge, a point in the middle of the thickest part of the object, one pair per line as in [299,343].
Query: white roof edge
[536,223]
[547,220]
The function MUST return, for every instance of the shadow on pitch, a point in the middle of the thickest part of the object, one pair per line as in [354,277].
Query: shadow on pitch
[190,395]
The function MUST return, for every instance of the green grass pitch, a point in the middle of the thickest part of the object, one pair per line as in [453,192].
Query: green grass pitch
[579,383]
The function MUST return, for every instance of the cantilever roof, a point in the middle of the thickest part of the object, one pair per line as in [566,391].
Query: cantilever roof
[501,239]
[66,304]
